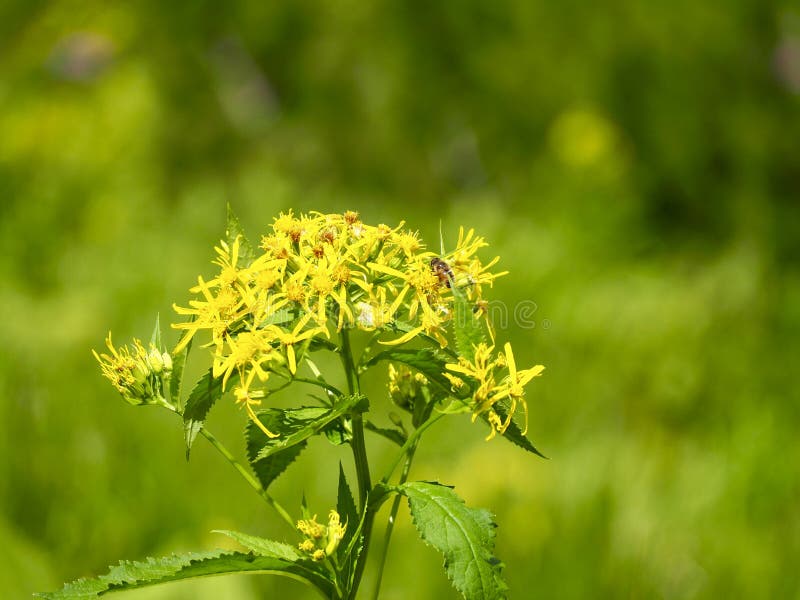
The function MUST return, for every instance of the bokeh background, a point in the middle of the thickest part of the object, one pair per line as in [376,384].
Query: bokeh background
[636,165]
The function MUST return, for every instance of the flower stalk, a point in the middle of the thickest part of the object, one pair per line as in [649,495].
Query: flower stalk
[312,284]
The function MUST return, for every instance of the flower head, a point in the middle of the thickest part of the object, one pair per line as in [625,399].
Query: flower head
[137,373]
[321,540]
[484,371]
[315,274]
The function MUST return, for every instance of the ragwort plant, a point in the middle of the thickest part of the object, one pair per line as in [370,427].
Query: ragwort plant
[314,282]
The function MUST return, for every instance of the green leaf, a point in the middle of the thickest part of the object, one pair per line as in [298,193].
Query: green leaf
[263,546]
[176,379]
[131,575]
[268,469]
[428,361]
[294,426]
[393,435]
[513,432]
[233,230]
[465,536]
[467,328]
[346,507]
[155,339]
[203,396]
[337,434]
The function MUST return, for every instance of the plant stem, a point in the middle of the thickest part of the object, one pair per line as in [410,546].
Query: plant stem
[410,445]
[360,457]
[254,483]
[248,476]
[392,515]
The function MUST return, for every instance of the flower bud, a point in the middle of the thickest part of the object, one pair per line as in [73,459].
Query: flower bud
[167,362]
[154,358]
[335,532]
[406,386]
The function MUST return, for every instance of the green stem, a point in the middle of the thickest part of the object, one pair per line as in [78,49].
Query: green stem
[360,457]
[410,444]
[392,515]
[248,476]
[254,483]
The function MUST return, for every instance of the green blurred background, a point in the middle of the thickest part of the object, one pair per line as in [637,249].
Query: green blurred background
[636,166]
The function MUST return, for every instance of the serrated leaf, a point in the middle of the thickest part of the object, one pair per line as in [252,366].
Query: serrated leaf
[346,507]
[132,575]
[465,536]
[203,396]
[269,469]
[294,426]
[233,230]
[513,432]
[467,328]
[428,361]
[176,379]
[262,546]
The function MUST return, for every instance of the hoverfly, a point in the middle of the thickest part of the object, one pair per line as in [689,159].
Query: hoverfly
[442,270]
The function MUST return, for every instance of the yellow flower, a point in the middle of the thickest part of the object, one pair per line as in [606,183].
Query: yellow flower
[321,540]
[335,532]
[424,286]
[513,386]
[215,314]
[310,528]
[227,259]
[248,398]
[290,338]
[317,269]
[248,349]
[330,281]
[480,367]
[136,373]
[482,370]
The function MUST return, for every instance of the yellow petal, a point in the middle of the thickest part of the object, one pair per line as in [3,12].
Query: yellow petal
[254,417]
[396,304]
[512,366]
[387,270]
[404,338]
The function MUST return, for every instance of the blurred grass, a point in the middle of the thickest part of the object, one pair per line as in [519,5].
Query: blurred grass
[635,165]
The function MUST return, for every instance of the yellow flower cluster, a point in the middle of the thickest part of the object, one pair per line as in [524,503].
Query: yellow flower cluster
[321,540]
[482,371]
[138,374]
[316,274]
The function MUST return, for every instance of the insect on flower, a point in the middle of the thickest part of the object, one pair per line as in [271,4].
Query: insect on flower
[443,271]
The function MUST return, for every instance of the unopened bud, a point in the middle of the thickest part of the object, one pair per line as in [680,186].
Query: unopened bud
[154,358]
[167,362]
